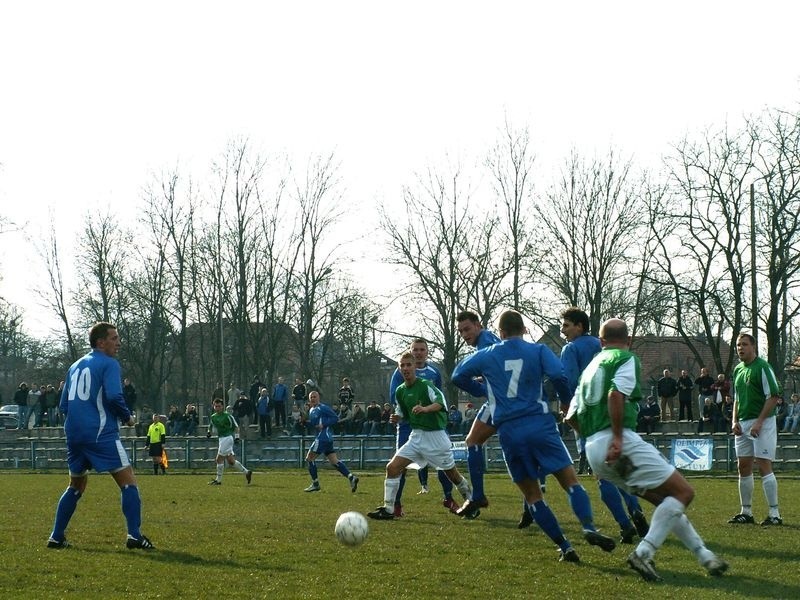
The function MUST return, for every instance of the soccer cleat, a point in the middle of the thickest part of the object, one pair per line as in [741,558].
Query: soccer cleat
[353,484]
[770,521]
[742,518]
[142,543]
[423,490]
[470,509]
[215,482]
[398,511]
[643,566]
[595,538]
[640,522]
[51,543]
[314,487]
[626,535]
[526,520]
[715,566]
[451,505]
[381,513]
[249,477]
[568,555]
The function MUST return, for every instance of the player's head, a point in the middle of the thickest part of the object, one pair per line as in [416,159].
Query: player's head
[510,324]
[746,347]
[408,367]
[218,405]
[614,332]
[419,350]
[103,336]
[313,398]
[469,326]
[574,323]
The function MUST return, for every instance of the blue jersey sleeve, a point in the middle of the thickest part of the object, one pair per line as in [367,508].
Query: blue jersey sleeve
[464,373]
[394,383]
[554,369]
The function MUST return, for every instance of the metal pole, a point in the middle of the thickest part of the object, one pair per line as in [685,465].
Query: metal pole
[753,288]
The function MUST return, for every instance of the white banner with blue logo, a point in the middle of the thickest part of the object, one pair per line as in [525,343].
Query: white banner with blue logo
[692,454]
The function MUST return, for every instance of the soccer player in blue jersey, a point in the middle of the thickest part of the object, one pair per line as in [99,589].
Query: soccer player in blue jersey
[473,333]
[577,353]
[93,405]
[604,411]
[513,371]
[322,417]
[422,404]
[419,350]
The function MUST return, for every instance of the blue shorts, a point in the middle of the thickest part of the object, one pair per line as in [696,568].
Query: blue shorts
[532,447]
[104,457]
[324,447]
[403,433]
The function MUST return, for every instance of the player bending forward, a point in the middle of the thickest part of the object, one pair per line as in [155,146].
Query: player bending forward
[604,411]
[423,406]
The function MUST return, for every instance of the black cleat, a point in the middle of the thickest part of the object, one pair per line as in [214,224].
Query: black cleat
[526,520]
[215,482]
[742,518]
[568,555]
[353,484]
[595,538]
[770,521]
[51,543]
[249,477]
[469,510]
[626,535]
[640,522]
[644,567]
[382,514]
[142,543]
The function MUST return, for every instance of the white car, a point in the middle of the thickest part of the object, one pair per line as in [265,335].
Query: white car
[9,417]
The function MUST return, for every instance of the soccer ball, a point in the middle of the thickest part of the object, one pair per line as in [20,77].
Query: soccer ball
[351,528]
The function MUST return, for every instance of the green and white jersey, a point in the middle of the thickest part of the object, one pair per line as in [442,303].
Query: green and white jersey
[752,385]
[223,423]
[611,369]
[424,393]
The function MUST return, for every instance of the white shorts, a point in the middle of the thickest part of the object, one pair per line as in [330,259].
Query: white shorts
[762,446]
[652,469]
[225,446]
[428,448]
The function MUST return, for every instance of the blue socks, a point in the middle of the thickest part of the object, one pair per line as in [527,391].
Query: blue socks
[475,464]
[613,500]
[579,502]
[312,470]
[447,485]
[64,511]
[423,476]
[547,521]
[132,509]
[342,468]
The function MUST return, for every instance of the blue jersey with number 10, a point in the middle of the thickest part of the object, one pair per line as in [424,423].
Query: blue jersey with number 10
[513,371]
[92,399]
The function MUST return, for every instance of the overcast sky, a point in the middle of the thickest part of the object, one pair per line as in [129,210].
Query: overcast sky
[97,96]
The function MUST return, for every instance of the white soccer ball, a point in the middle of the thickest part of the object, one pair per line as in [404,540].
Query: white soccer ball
[351,528]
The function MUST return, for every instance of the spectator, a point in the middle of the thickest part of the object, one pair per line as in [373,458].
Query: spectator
[720,388]
[358,420]
[174,418]
[144,420]
[346,394]
[781,413]
[372,425]
[469,416]
[190,420]
[129,392]
[299,393]
[387,427]
[704,383]
[685,387]
[218,392]
[710,421]
[793,415]
[21,400]
[454,419]
[242,409]
[345,417]
[233,395]
[278,403]
[649,416]
[667,388]
[264,418]
[727,414]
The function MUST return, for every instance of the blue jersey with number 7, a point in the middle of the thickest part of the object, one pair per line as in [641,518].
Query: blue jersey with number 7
[513,371]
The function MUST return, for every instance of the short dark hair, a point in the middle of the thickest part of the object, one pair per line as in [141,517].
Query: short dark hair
[748,336]
[467,315]
[577,316]
[99,331]
[419,340]
[511,323]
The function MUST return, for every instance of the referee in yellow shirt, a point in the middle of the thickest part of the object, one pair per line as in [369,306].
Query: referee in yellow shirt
[156,436]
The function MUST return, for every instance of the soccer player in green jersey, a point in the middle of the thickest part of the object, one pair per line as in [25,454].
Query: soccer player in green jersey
[603,410]
[421,404]
[228,431]
[756,391]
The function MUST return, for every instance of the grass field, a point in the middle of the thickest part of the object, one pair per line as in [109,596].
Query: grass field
[271,540]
